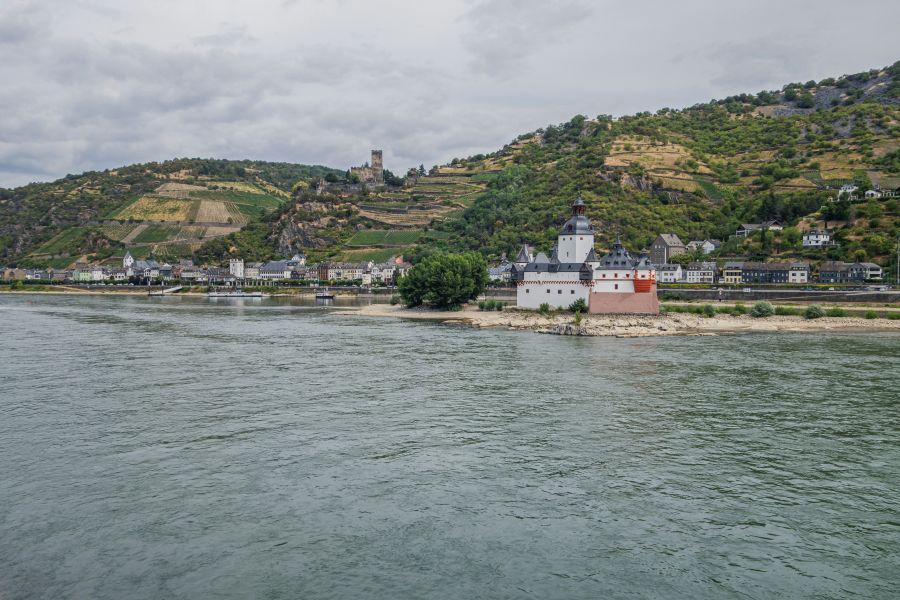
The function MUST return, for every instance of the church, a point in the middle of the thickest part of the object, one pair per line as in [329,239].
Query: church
[617,283]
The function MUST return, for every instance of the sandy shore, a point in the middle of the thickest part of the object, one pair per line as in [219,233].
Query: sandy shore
[627,326]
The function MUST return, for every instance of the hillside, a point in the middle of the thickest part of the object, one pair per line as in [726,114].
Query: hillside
[701,171]
[169,209]
[698,172]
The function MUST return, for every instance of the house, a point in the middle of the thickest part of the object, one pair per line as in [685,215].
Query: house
[298,260]
[799,273]
[118,274]
[276,269]
[748,228]
[670,273]
[127,261]
[501,272]
[834,272]
[766,272]
[664,247]
[81,273]
[865,272]
[847,189]
[251,270]
[733,272]
[11,274]
[701,272]
[872,194]
[816,237]
[616,283]
[706,246]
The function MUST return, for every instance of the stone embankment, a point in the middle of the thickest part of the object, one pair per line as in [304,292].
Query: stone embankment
[629,325]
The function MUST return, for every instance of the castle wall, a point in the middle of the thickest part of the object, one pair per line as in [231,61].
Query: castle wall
[559,290]
[624,303]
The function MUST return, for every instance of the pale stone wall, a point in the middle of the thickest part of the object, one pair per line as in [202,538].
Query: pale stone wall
[624,303]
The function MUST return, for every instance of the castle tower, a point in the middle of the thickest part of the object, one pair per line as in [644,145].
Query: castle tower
[576,239]
[377,166]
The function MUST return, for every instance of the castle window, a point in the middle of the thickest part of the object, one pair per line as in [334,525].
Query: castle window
[572,291]
[559,291]
[527,290]
[617,286]
[548,291]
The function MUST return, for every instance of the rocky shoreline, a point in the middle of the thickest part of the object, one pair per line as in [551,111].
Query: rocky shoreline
[628,325]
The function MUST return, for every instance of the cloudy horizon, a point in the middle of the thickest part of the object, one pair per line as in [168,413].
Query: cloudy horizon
[96,84]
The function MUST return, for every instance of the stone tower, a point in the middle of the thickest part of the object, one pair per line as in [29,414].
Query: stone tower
[377,166]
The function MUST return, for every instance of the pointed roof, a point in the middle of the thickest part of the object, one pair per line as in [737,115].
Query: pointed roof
[591,256]
[524,255]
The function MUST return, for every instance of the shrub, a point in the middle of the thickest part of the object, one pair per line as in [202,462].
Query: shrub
[499,306]
[395,299]
[709,310]
[787,311]
[871,314]
[894,316]
[739,309]
[481,304]
[836,311]
[577,317]
[814,311]
[578,306]
[544,309]
[762,309]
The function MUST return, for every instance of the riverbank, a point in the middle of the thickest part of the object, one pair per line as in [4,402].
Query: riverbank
[626,325]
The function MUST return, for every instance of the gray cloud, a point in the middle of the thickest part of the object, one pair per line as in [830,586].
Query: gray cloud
[97,83]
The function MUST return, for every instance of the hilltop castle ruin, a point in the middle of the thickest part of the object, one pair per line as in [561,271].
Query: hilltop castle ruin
[371,174]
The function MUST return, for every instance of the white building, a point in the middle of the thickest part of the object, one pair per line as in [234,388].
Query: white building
[671,273]
[706,246]
[799,273]
[815,237]
[236,267]
[616,283]
[127,261]
[701,272]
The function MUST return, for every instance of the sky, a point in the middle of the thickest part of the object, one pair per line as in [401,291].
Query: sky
[95,84]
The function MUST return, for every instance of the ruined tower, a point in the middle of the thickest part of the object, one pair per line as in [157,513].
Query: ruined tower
[377,166]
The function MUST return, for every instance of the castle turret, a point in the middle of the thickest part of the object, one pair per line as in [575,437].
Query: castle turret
[576,239]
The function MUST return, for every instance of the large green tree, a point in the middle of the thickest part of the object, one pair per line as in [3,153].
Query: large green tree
[445,281]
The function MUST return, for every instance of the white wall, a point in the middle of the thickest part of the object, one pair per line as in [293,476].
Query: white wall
[615,281]
[574,248]
[564,289]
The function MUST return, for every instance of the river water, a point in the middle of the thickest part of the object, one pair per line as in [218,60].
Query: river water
[180,448]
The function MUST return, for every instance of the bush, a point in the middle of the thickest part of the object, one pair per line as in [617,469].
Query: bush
[894,316]
[787,311]
[482,304]
[871,314]
[836,311]
[578,306]
[544,309]
[499,306]
[445,280]
[709,310]
[395,299]
[814,311]
[739,309]
[577,317]
[762,309]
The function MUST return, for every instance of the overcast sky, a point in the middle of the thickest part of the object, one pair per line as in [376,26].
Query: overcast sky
[94,84]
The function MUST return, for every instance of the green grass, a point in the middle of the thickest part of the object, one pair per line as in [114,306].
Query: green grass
[710,189]
[65,242]
[377,237]
[119,231]
[155,233]
[252,205]
[377,255]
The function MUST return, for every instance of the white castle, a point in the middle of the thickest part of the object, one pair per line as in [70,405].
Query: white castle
[616,283]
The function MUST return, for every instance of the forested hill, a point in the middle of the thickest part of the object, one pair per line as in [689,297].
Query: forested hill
[169,207]
[701,171]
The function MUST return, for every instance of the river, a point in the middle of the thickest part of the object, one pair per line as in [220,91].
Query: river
[181,448]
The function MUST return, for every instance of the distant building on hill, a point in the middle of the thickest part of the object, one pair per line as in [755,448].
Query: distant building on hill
[816,237]
[372,174]
[665,246]
[706,246]
[748,228]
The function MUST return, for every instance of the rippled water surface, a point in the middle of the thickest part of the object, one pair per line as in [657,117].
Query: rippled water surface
[175,448]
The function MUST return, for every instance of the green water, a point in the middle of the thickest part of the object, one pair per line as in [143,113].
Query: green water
[179,448]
